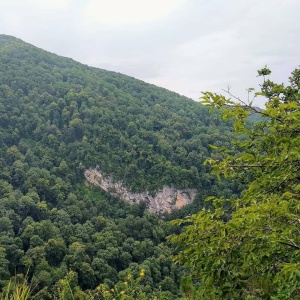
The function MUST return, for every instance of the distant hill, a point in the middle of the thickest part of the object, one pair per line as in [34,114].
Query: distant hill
[141,134]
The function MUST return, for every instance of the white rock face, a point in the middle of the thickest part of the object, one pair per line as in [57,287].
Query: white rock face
[163,202]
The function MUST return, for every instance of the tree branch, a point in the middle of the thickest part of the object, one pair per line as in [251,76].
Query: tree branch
[251,107]
[246,166]
[291,245]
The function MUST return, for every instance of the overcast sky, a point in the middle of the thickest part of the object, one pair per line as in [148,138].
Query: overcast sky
[187,46]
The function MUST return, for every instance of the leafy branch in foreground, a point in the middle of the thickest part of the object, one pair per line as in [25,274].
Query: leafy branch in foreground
[248,248]
[15,290]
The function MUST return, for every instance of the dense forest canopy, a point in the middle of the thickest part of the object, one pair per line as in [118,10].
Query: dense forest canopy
[59,117]
[141,134]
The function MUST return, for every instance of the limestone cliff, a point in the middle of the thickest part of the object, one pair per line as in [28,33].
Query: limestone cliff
[165,200]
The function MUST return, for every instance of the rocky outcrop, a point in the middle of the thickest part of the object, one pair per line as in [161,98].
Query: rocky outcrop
[165,200]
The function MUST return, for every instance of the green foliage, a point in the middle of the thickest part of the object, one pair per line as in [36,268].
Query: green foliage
[17,290]
[248,247]
[58,118]
[58,115]
[66,289]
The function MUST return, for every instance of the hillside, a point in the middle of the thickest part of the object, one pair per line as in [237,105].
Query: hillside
[58,118]
[144,135]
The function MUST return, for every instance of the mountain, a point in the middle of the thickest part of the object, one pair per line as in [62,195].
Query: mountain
[145,136]
[60,118]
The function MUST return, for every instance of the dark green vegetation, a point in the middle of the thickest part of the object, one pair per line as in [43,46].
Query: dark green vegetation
[249,247]
[58,117]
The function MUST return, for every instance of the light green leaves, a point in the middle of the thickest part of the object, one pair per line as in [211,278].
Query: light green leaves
[248,248]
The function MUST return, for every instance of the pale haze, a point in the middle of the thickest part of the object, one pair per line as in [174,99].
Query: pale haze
[187,46]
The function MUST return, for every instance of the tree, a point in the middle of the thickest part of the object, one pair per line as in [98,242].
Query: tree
[248,248]
[4,273]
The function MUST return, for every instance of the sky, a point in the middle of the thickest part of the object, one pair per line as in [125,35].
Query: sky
[187,46]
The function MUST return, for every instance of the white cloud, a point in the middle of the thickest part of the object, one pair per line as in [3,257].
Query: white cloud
[50,4]
[120,12]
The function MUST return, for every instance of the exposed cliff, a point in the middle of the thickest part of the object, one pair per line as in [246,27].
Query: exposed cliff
[165,200]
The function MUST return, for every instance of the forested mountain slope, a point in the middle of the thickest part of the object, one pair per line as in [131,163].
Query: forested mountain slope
[58,118]
[144,135]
